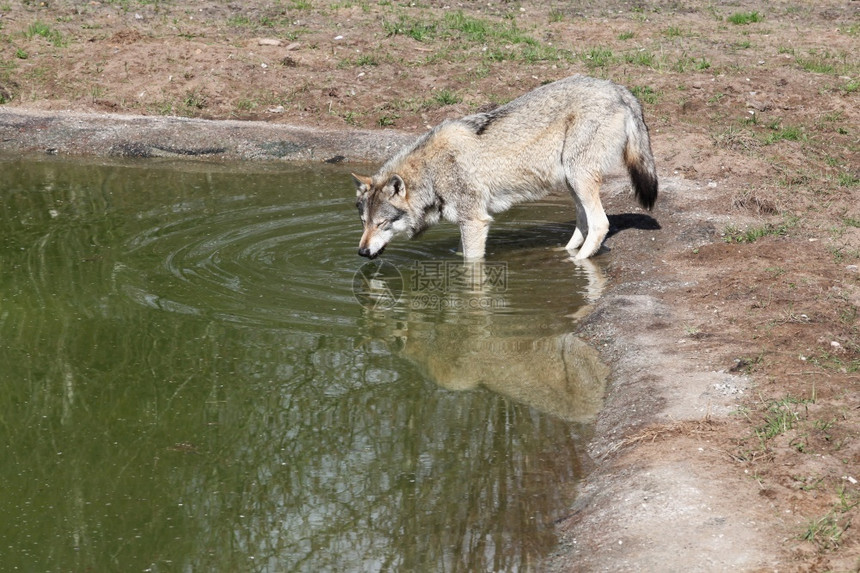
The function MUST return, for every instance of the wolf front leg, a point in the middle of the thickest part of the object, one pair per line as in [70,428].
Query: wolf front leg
[473,238]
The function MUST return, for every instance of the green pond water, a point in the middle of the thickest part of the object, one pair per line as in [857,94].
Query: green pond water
[189,381]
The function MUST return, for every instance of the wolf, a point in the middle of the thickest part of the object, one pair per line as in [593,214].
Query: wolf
[563,136]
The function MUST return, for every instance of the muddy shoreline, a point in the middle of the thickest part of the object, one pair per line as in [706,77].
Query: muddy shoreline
[645,483]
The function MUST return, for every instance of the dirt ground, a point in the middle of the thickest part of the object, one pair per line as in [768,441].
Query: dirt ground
[730,436]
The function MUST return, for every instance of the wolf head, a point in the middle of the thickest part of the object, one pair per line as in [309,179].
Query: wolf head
[385,212]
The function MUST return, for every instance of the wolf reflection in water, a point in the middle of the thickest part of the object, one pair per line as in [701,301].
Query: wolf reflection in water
[461,337]
[559,375]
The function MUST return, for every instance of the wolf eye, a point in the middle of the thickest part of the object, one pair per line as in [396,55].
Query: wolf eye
[384,224]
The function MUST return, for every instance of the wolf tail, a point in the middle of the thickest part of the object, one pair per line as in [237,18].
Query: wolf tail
[640,161]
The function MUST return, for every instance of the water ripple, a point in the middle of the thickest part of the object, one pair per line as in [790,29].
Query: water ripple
[291,264]
[285,265]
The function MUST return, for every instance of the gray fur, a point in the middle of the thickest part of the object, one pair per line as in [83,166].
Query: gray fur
[562,136]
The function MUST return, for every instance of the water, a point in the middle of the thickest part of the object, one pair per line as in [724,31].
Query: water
[187,381]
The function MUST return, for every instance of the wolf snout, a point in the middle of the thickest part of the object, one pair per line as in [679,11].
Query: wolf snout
[365,252]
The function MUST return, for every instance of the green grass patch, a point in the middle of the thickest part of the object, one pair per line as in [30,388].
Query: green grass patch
[366,60]
[388,120]
[836,363]
[445,97]
[239,21]
[43,30]
[816,65]
[646,94]
[360,61]
[541,53]
[625,35]
[496,37]
[744,18]
[828,62]
[351,117]
[751,235]
[194,100]
[686,63]
[848,315]
[850,87]
[417,30]
[825,532]
[473,29]
[839,255]
[701,64]
[784,133]
[478,30]
[780,417]
[246,104]
[597,57]
[833,116]
[845,179]
[640,58]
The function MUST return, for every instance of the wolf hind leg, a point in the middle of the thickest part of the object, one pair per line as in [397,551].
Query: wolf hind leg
[590,148]
[576,239]
[586,191]
[581,226]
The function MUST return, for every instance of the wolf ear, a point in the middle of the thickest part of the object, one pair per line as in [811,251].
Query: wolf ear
[362,184]
[396,186]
